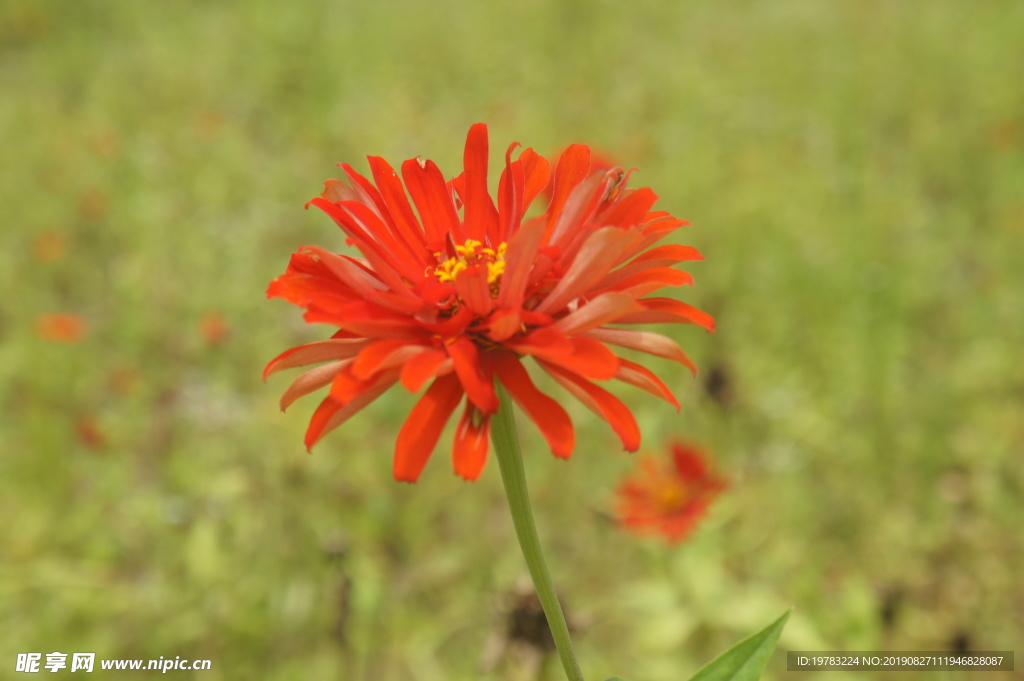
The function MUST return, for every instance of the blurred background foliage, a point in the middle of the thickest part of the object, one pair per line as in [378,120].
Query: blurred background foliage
[855,174]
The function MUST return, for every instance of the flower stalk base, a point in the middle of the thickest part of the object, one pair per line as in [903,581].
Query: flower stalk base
[513,476]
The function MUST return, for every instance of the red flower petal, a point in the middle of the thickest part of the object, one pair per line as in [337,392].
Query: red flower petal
[538,173]
[669,254]
[587,357]
[430,194]
[548,415]
[329,415]
[601,251]
[365,192]
[398,208]
[336,190]
[366,229]
[469,453]
[481,216]
[641,377]
[572,168]
[631,210]
[688,462]
[307,279]
[479,389]
[604,309]
[418,435]
[347,270]
[370,321]
[503,324]
[602,403]
[474,290]
[519,261]
[669,311]
[662,256]
[311,353]
[644,341]
[510,197]
[543,341]
[393,258]
[314,379]
[579,208]
[395,303]
[423,367]
[383,354]
[647,281]
[346,387]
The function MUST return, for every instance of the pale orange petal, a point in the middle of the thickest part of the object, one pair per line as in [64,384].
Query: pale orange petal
[329,415]
[314,379]
[604,309]
[311,353]
[644,341]
[600,252]
[643,378]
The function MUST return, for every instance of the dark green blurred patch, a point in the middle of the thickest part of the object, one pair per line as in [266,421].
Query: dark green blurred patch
[854,171]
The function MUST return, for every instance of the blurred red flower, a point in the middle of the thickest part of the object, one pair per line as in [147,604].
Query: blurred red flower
[668,497]
[213,327]
[457,300]
[89,433]
[61,327]
[49,246]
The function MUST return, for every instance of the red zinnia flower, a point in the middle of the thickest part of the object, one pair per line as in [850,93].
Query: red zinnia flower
[61,327]
[457,301]
[213,327]
[668,498]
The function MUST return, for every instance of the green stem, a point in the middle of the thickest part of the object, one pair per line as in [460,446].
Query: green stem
[513,476]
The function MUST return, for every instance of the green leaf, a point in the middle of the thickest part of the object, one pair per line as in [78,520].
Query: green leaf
[747,659]
[615,678]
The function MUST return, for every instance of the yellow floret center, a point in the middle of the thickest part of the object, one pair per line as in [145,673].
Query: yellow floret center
[469,254]
[673,496]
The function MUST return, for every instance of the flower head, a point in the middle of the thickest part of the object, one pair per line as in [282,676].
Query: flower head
[668,497]
[454,290]
[60,327]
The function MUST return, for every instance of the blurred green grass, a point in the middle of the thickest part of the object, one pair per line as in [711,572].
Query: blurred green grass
[855,174]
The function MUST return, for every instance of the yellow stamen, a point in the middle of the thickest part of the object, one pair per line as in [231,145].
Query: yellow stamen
[472,252]
[495,270]
[672,496]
